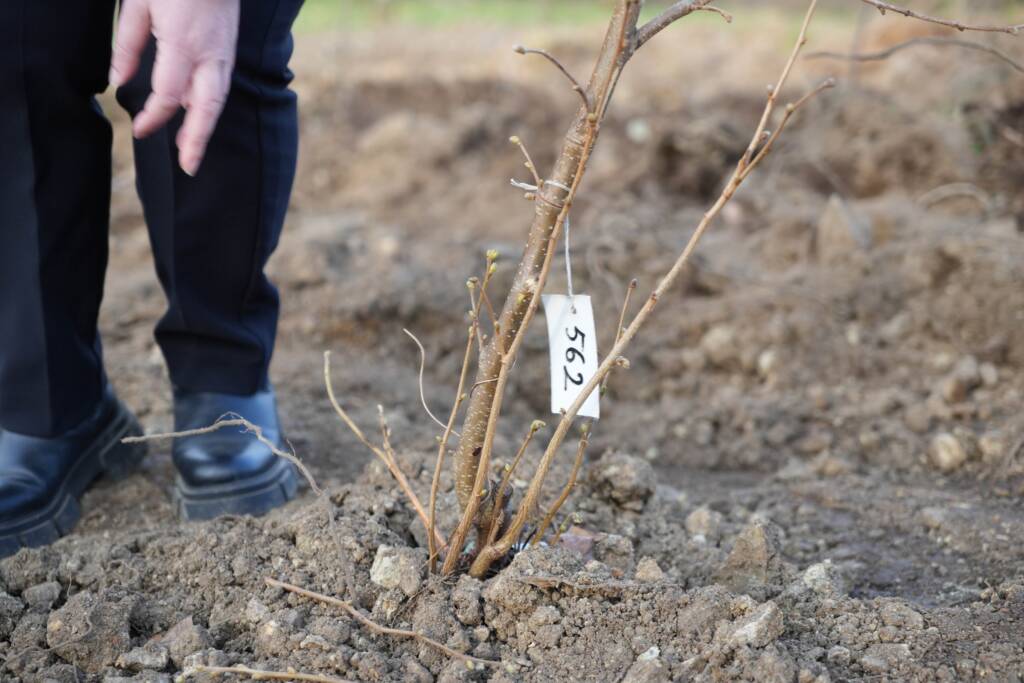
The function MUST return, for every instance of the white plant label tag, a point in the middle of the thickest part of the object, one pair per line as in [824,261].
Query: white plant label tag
[573,344]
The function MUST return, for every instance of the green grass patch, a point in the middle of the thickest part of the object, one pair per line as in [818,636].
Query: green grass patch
[319,15]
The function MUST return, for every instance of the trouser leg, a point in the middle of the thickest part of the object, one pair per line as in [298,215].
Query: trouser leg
[54,210]
[212,234]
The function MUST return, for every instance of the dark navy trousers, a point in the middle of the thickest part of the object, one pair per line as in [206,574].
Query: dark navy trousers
[211,235]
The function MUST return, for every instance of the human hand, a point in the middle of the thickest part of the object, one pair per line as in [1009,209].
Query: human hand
[195,55]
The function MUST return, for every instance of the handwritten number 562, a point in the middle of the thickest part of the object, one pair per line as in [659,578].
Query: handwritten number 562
[572,355]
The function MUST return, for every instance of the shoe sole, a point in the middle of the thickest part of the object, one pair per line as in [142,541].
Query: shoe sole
[254,496]
[107,456]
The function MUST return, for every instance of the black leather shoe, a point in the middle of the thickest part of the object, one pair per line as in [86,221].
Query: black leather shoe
[41,479]
[229,472]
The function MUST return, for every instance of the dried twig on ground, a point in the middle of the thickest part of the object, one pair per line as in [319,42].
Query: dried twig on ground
[954,190]
[260,675]
[234,420]
[384,454]
[922,40]
[374,626]
[884,7]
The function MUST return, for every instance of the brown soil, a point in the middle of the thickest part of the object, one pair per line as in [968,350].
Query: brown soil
[811,472]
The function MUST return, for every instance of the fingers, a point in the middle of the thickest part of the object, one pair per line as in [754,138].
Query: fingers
[172,72]
[133,28]
[206,97]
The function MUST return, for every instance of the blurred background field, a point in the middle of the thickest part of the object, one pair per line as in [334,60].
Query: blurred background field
[321,15]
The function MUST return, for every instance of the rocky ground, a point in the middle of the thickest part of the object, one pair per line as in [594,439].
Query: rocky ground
[811,472]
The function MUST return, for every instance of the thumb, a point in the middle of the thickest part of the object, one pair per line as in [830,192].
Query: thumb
[133,30]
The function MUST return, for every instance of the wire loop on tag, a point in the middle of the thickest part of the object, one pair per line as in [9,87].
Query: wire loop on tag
[568,267]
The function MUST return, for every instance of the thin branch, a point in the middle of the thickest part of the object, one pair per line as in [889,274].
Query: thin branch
[517,141]
[671,15]
[561,67]
[720,12]
[923,40]
[384,456]
[442,450]
[791,109]
[374,626]
[884,7]
[460,396]
[506,477]
[259,675]
[423,365]
[622,324]
[577,464]
[235,420]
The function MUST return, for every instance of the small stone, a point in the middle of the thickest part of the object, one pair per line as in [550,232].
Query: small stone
[615,551]
[389,603]
[624,479]
[947,453]
[649,667]
[933,517]
[270,638]
[150,656]
[992,446]
[41,596]
[648,571]
[207,657]
[395,567]
[543,616]
[838,655]
[755,562]
[902,616]
[966,377]
[314,642]
[185,638]
[767,363]
[256,611]
[824,579]
[918,418]
[579,541]
[881,657]
[704,521]
[416,672]
[759,628]
[720,345]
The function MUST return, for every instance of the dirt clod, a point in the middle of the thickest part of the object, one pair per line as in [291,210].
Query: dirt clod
[151,656]
[184,639]
[399,568]
[624,479]
[755,565]
[947,453]
[91,630]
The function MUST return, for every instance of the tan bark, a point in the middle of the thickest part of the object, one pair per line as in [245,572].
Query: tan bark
[552,197]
